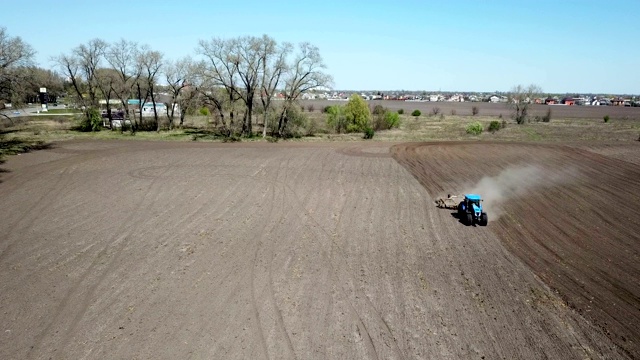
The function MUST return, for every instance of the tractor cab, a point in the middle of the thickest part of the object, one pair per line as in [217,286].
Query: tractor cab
[473,203]
[470,210]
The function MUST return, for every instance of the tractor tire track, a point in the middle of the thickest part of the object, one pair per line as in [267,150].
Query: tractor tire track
[118,243]
[313,251]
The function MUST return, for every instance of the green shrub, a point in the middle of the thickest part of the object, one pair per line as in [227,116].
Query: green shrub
[368,133]
[336,119]
[91,122]
[400,111]
[416,113]
[326,109]
[357,114]
[606,118]
[392,119]
[298,123]
[386,120]
[204,111]
[378,122]
[493,126]
[474,128]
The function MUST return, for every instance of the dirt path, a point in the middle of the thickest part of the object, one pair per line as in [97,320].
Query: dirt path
[264,251]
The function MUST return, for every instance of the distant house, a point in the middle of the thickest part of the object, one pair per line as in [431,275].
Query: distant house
[494,99]
[161,109]
[569,101]
[582,100]
[147,108]
[111,102]
[617,101]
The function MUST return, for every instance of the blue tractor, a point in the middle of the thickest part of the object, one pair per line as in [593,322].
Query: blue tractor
[470,210]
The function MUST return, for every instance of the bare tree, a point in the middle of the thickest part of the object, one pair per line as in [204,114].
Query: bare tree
[123,56]
[89,58]
[106,80]
[70,67]
[177,74]
[247,55]
[151,62]
[188,99]
[205,84]
[14,54]
[80,67]
[247,66]
[13,51]
[304,73]
[520,99]
[220,70]
[274,64]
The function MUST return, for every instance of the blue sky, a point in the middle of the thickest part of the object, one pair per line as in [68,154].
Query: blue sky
[562,46]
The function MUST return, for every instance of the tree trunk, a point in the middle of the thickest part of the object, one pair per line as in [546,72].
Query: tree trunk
[140,104]
[264,124]
[170,116]
[282,123]
[182,115]
[244,123]
[247,129]
[109,116]
[155,112]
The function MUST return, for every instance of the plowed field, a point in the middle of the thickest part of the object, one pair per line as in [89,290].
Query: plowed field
[571,215]
[126,249]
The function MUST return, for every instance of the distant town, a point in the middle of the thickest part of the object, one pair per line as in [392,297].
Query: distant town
[494,97]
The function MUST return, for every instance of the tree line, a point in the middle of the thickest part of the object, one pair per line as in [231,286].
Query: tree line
[236,79]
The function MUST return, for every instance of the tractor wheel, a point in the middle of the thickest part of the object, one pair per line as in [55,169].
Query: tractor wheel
[484,219]
[469,219]
[461,210]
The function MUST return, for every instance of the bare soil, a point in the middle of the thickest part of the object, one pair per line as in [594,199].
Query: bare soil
[574,222]
[120,249]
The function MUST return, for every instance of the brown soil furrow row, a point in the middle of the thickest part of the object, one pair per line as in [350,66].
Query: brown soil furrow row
[315,251]
[573,233]
[78,297]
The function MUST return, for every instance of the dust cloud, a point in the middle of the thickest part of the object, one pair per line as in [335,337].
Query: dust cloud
[513,182]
